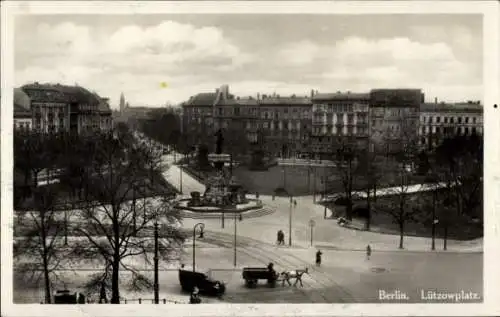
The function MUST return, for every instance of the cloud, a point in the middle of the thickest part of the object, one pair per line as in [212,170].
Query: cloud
[69,53]
[136,59]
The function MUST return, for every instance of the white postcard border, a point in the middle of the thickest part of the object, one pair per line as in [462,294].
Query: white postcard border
[490,11]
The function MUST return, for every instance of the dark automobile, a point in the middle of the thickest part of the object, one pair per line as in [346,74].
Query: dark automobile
[189,280]
[67,297]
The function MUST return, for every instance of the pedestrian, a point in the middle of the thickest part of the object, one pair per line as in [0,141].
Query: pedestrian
[368,252]
[295,203]
[194,298]
[318,257]
[282,237]
[278,238]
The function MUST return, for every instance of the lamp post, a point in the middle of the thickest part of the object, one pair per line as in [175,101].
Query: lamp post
[156,258]
[202,227]
[312,223]
[180,180]
[290,222]
[235,235]
[324,191]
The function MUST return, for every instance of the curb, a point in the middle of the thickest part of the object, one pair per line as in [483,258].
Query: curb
[334,248]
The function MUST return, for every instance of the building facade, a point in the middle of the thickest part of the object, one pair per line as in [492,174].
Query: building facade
[440,120]
[60,108]
[285,124]
[381,120]
[394,119]
[339,118]
[279,125]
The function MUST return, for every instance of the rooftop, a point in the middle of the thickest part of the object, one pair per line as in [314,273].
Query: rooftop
[202,99]
[341,96]
[451,107]
[59,93]
[286,101]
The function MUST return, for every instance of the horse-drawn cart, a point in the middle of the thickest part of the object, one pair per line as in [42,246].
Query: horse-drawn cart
[252,275]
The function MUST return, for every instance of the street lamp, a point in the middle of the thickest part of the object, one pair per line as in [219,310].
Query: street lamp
[290,222]
[156,259]
[312,223]
[235,235]
[202,227]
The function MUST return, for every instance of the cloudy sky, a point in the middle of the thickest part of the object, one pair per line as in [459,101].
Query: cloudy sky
[286,54]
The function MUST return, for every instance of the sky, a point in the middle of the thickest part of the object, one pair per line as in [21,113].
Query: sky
[164,59]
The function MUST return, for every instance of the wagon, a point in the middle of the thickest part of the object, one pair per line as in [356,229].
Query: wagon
[190,279]
[252,275]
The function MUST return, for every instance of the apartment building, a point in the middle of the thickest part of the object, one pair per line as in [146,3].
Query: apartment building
[339,118]
[439,120]
[394,118]
[285,124]
[60,108]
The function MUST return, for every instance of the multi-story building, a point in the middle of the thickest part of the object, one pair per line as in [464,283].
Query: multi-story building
[339,118]
[394,116]
[285,124]
[439,120]
[279,124]
[22,114]
[60,108]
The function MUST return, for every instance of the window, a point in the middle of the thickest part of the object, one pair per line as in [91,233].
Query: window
[423,119]
[430,119]
[459,120]
[438,119]
[445,119]
[466,119]
[466,130]
[452,120]
[474,120]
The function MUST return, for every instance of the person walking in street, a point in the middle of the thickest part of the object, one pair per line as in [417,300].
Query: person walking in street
[278,238]
[194,298]
[294,203]
[281,237]
[368,252]
[318,257]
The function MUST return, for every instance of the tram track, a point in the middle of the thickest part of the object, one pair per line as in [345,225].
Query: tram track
[318,279]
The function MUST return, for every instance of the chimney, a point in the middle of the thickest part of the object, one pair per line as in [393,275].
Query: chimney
[258,96]
[435,100]
[312,93]
[348,92]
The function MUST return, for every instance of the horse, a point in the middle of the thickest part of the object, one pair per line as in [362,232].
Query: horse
[296,274]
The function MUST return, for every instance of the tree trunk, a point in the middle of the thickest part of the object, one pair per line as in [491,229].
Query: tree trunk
[369,211]
[401,234]
[115,276]
[433,247]
[445,237]
[46,278]
[45,262]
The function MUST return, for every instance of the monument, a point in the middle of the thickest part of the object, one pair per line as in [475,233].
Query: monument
[223,195]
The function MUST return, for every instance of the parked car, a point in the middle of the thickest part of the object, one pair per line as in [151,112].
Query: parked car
[191,279]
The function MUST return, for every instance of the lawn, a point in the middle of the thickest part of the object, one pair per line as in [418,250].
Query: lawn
[461,229]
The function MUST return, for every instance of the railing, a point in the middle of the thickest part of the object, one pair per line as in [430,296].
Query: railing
[150,301]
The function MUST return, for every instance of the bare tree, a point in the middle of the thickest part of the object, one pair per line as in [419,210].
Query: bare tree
[114,171]
[37,246]
[370,172]
[31,157]
[401,138]
[346,160]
